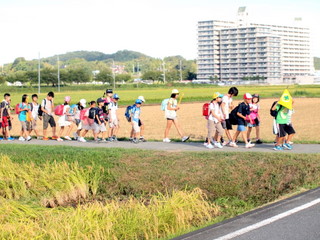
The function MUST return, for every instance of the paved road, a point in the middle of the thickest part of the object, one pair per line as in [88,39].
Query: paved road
[173,146]
[296,218]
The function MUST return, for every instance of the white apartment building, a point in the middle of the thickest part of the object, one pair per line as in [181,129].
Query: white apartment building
[233,51]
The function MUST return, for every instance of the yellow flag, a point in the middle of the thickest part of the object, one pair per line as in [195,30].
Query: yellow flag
[286,99]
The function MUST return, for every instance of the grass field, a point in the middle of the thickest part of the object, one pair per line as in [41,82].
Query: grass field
[54,192]
[156,95]
[306,121]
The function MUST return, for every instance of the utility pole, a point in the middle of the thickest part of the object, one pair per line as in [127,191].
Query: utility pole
[58,73]
[180,72]
[164,71]
[113,75]
[39,73]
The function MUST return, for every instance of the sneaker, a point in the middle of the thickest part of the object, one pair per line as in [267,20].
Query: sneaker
[1,138]
[110,139]
[135,140]
[45,138]
[115,138]
[287,146]
[142,139]
[185,138]
[81,139]
[54,138]
[97,140]
[29,138]
[205,144]
[103,141]
[232,144]
[10,139]
[290,143]
[130,139]
[225,143]
[259,141]
[59,139]
[68,138]
[75,136]
[166,140]
[21,139]
[210,146]
[249,145]
[278,148]
[218,145]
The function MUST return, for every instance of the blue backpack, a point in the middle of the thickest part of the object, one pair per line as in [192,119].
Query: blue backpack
[72,107]
[127,113]
[164,104]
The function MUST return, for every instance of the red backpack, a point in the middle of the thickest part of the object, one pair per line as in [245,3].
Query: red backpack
[58,110]
[17,108]
[205,110]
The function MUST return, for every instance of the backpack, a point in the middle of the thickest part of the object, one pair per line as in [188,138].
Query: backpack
[206,110]
[17,108]
[71,109]
[84,113]
[58,110]
[233,116]
[40,112]
[164,104]
[127,113]
[274,113]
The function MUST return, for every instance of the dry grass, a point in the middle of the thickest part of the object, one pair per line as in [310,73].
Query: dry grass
[306,121]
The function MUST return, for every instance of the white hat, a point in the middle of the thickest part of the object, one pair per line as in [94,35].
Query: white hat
[175,91]
[247,96]
[83,102]
[142,98]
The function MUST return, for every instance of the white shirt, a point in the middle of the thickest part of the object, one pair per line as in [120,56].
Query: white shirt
[113,107]
[171,114]
[227,101]
[34,112]
[216,109]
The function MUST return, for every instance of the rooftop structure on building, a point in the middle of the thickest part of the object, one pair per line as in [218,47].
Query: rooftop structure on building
[237,51]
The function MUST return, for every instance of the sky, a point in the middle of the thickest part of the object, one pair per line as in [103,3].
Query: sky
[157,28]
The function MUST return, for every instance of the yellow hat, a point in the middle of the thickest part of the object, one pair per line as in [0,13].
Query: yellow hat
[217,95]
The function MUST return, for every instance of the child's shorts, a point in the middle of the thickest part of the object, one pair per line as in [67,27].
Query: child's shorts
[99,128]
[241,128]
[113,123]
[136,127]
[256,123]
[284,129]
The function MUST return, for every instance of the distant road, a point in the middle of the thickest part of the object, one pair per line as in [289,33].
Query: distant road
[296,218]
[173,146]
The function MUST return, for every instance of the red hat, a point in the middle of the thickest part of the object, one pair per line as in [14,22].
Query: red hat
[247,96]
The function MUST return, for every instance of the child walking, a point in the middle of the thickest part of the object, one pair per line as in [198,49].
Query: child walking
[243,112]
[88,122]
[65,120]
[135,115]
[113,118]
[5,117]
[24,110]
[100,122]
[171,116]
[214,121]
[35,115]
[255,118]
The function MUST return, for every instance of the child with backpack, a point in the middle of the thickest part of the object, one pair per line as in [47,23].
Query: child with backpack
[46,111]
[243,114]
[100,121]
[171,108]
[76,109]
[65,120]
[113,118]
[5,117]
[284,127]
[255,118]
[214,121]
[35,115]
[88,121]
[227,107]
[135,115]
[24,113]
[141,125]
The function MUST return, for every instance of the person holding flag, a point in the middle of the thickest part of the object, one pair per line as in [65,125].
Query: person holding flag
[283,121]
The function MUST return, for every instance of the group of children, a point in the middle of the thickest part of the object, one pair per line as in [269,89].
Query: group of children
[101,117]
[222,114]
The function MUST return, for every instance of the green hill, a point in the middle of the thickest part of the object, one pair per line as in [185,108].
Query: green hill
[316,62]
[120,56]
